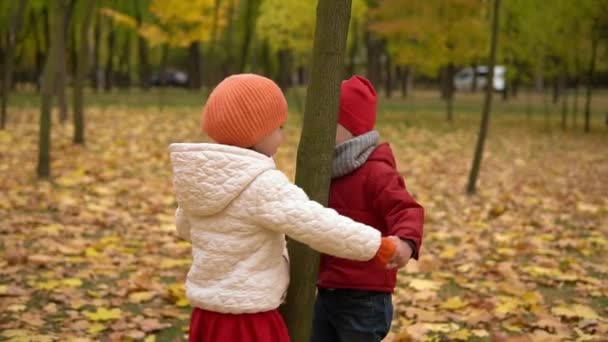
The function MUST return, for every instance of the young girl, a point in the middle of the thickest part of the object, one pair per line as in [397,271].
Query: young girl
[235,207]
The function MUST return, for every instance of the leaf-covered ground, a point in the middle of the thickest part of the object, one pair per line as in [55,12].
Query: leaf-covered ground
[92,255]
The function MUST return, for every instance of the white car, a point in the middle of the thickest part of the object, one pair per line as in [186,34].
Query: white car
[463,80]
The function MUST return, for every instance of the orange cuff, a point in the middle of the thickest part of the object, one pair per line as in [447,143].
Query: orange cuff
[386,251]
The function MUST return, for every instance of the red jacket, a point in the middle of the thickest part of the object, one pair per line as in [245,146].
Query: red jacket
[374,194]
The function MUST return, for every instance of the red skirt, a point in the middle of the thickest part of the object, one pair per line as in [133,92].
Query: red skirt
[209,326]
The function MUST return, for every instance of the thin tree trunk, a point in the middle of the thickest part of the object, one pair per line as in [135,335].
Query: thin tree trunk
[251,7]
[62,76]
[211,71]
[162,76]
[109,72]
[142,49]
[352,55]
[405,74]
[266,63]
[556,89]
[284,76]
[575,101]
[81,72]
[374,48]
[39,50]
[474,85]
[564,94]
[195,65]
[591,71]
[315,153]
[124,63]
[58,11]
[228,63]
[449,88]
[388,69]
[95,79]
[485,119]
[8,60]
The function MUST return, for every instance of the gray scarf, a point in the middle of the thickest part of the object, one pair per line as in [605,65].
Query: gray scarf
[351,154]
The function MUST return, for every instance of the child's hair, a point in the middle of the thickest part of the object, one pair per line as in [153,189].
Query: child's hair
[243,109]
[357,105]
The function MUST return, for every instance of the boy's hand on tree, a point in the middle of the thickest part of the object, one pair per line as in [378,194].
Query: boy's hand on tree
[402,255]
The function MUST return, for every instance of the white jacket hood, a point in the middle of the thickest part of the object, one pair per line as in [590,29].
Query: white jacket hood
[208,177]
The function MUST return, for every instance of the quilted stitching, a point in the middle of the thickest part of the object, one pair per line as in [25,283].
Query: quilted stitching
[235,207]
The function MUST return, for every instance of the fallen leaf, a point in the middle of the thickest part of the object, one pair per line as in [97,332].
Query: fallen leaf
[103,314]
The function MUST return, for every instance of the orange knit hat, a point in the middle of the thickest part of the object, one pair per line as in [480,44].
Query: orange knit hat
[243,109]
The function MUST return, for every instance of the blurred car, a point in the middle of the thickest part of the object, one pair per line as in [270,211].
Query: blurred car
[173,78]
[463,80]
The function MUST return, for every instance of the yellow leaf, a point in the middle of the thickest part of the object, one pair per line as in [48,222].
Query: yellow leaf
[51,229]
[449,252]
[423,284]
[575,311]
[142,296]
[103,314]
[511,328]
[17,308]
[454,303]
[47,285]
[460,335]
[96,328]
[178,293]
[172,263]
[150,338]
[72,282]
[91,252]
[3,289]
[480,333]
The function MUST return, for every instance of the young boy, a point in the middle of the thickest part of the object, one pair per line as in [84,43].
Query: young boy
[354,298]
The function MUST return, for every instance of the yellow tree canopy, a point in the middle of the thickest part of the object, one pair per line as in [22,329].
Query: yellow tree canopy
[176,22]
[431,33]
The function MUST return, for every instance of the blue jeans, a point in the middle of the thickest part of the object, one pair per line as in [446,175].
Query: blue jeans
[351,316]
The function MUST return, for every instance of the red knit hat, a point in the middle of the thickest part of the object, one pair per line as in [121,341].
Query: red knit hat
[243,109]
[357,105]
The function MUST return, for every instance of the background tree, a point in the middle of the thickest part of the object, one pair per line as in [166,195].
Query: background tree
[58,10]
[487,105]
[81,70]
[315,153]
[16,19]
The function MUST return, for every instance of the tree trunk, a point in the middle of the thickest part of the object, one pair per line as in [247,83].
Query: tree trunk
[62,71]
[81,71]
[474,85]
[124,64]
[575,101]
[228,63]
[58,12]
[590,73]
[251,8]
[284,76]
[142,49]
[109,72]
[374,49]
[195,65]
[266,62]
[8,60]
[485,119]
[556,89]
[162,76]
[449,89]
[95,79]
[405,74]
[388,68]
[315,153]
[564,94]
[352,55]
[39,58]
[210,73]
